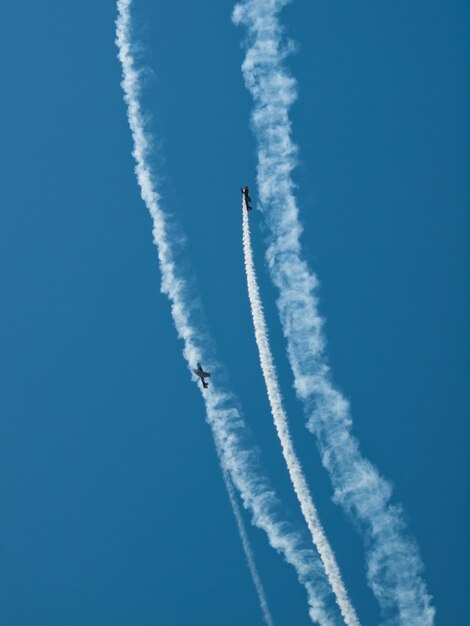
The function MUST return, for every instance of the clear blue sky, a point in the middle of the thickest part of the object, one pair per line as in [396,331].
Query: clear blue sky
[113,509]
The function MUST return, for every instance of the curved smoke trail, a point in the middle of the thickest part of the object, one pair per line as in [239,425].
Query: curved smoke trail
[238,457]
[294,467]
[394,566]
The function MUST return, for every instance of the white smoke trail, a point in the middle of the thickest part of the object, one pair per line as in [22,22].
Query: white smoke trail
[294,467]
[238,457]
[394,567]
[250,559]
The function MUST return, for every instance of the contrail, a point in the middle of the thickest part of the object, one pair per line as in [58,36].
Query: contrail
[238,457]
[294,467]
[394,567]
[250,559]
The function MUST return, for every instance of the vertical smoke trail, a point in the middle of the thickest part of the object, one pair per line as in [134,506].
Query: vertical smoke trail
[238,457]
[394,566]
[250,559]
[294,467]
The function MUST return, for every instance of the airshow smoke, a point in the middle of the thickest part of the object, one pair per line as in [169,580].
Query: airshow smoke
[237,455]
[294,467]
[394,567]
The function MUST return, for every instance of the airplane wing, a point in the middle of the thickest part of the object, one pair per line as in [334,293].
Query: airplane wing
[206,374]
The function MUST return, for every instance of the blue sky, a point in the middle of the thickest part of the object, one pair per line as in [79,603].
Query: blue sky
[114,510]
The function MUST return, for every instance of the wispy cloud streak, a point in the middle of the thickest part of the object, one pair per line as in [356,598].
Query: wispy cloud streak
[294,467]
[394,566]
[238,456]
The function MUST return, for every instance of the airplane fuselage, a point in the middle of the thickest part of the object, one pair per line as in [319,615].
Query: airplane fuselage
[202,375]
[246,197]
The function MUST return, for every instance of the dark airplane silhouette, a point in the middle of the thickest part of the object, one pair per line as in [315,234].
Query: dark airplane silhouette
[246,197]
[202,375]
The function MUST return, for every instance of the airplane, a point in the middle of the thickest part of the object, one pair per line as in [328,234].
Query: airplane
[246,197]
[202,375]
